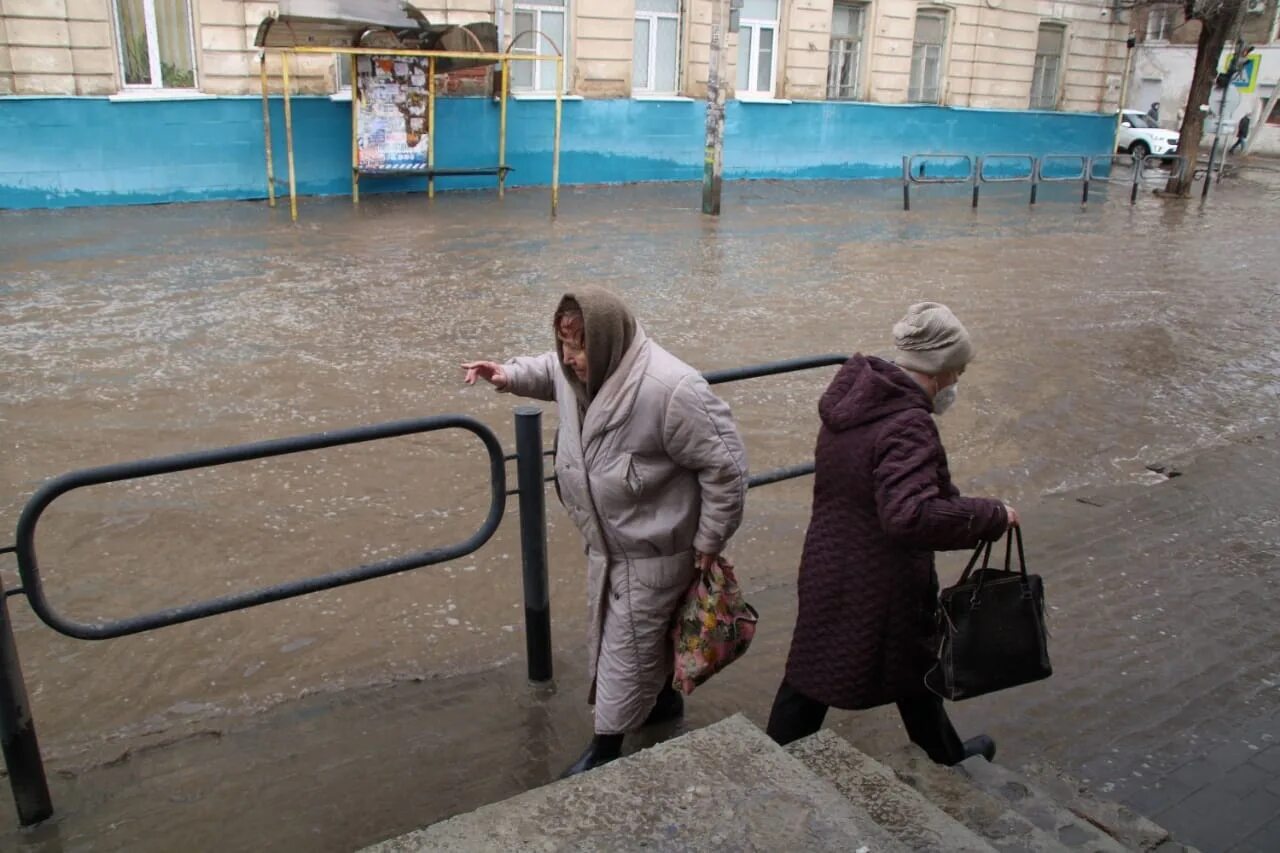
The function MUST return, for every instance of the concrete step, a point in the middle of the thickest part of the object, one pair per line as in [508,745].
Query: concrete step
[991,818]
[898,808]
[1038,807]
[724,787]
[1120,822]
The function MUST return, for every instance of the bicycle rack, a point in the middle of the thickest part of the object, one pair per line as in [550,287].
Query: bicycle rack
[1082,174]
[983,178]
[909,177]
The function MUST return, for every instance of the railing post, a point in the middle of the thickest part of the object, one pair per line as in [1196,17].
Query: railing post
[906,183]
[18,731]
[977,179]
[533,542]
[1035,177]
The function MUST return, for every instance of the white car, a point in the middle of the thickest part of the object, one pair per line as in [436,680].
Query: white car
[1140,136]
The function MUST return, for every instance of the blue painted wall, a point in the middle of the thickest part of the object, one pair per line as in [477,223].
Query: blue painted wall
[62,152]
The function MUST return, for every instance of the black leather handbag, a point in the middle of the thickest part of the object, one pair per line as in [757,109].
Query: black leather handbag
[992,628]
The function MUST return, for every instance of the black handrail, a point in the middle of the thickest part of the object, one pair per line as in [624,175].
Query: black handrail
[790,365]
[29,570]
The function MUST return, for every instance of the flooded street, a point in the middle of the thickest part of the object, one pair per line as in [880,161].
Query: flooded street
[1109,338]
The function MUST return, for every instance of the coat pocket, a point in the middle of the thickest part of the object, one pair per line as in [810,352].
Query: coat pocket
[664,573]
[632,478]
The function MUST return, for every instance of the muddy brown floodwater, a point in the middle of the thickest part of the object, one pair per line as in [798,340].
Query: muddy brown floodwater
[1108,338]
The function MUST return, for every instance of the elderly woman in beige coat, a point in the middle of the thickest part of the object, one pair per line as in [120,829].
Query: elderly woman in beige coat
[652,470]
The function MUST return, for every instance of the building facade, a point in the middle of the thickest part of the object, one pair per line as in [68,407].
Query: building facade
[1164,62]
[1046,74]
[1001,54]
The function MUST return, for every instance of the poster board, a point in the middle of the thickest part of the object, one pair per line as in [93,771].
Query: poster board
[391,113]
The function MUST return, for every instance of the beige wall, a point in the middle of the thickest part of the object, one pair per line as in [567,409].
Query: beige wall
[991,52]
[6,65]
[601,51]
[68,47]
[56,47]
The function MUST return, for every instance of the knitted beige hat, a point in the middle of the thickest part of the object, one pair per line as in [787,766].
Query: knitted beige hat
[930,340]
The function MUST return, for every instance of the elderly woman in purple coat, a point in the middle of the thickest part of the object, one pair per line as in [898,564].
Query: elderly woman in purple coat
[883,502]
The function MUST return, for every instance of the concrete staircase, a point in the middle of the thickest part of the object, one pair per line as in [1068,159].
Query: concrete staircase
[728,787]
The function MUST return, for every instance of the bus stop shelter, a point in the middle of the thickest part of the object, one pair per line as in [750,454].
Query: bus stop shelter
[384,69]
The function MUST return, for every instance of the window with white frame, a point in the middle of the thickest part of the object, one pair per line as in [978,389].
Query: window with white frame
[1160,23]
[655,67]
[155,44]
[844,59]
[342,74]
[927,50]
[757,48]
[548,17]
[1047,74]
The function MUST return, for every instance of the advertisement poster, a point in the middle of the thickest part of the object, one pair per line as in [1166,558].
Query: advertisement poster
[391,114]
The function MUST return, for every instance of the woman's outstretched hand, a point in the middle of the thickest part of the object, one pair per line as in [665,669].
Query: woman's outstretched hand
[489,371]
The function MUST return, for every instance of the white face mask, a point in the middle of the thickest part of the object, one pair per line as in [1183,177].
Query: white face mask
[944,399]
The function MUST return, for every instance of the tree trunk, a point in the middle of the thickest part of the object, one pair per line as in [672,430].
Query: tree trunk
[1213,37]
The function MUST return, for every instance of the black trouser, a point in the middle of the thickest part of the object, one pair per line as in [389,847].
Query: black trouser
[795,716]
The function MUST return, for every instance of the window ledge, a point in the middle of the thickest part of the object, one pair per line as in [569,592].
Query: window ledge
[761,99]
[341,97]
[850,102]
[542,96]
[676,99]
[128,95]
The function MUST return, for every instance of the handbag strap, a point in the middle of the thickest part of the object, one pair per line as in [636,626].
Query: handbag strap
[1016,534]
[984,550]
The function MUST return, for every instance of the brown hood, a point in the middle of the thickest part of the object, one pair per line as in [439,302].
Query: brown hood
[609,327]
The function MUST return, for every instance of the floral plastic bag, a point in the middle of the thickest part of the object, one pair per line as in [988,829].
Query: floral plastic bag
[713,627]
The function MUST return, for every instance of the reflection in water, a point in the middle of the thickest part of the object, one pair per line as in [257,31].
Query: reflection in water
[1108,337]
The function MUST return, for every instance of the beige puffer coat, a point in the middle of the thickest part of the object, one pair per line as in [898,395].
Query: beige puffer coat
[656,471]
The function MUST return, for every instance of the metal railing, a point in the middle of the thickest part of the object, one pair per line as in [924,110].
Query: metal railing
[911,176]
[983,178]
[1140,173]
[1081,168]
[17,729]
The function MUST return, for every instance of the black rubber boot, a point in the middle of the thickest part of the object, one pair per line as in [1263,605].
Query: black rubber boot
[981,745]
[669,706]
[601,750]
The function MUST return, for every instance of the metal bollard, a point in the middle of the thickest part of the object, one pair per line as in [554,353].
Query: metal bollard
[906,183]
[533,542]
[18,732]
[977,179]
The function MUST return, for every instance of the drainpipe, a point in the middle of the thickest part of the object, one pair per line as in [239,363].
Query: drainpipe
[1124,89]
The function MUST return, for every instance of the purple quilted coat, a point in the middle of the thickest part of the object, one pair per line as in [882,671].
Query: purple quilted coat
[883,502]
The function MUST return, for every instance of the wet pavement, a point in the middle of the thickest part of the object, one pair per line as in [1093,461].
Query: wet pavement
[1109,338]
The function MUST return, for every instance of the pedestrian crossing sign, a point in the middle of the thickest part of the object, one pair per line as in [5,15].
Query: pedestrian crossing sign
[1246,79]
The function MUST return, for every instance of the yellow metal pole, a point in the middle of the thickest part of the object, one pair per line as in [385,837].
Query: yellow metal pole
[555,153]
[288,136]
[355,139]
[266,131]
[502,130]
[438,54]
[431,127]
